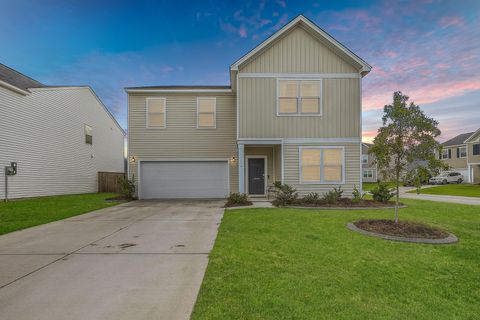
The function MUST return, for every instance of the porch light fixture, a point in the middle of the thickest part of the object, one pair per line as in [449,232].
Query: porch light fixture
[133,159]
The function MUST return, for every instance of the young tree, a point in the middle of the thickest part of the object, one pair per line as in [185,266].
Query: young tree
[407,135]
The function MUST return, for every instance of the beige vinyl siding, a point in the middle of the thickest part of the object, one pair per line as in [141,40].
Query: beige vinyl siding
[352,169]
[44,132]
[298,51]
[258,111]
[181,139]
[471,157]
[454,162]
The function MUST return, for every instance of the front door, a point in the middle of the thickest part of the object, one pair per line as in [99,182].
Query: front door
[256,176]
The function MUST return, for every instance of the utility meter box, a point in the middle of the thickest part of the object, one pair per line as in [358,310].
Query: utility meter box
[11,170]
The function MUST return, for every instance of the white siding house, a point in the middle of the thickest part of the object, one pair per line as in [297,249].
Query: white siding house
[43,130]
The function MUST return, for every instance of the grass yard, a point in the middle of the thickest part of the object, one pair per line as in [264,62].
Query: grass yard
[465,190]
[305,264]
[367,186]
[25,213]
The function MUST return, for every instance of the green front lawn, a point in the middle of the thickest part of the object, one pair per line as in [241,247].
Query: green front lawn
[465,190]
[21,214]
[305,264]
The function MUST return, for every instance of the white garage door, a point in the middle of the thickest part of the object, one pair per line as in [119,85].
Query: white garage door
[184,179]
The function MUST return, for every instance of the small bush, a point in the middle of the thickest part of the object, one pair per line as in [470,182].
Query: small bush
[237,199]
[127,187]
[382,192]
[312,197]
[286,194]
[333,196]
[357,195]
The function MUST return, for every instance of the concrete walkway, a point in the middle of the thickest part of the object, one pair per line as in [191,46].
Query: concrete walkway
[140,260]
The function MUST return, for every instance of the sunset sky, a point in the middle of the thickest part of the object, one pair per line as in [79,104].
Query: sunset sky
[430,50]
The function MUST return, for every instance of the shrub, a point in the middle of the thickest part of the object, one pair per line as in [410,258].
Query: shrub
[357,195]
[286,194]
[127,187]
[312,197]
[236,199]
[333,196]
[382,192]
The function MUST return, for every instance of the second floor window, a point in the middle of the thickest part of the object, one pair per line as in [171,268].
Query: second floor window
[445,154]
[156,113]
[299,97]
[88,134]
[206,113]
[462,152]
[476,149]
[364,158]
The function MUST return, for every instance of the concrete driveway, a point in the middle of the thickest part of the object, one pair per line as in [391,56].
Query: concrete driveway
[139,260]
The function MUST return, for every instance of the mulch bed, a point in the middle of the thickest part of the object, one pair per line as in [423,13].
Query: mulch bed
[405,229]
[238,204]
[345,203]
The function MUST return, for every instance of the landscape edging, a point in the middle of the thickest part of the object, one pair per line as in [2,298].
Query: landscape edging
[345,208]
[448,240]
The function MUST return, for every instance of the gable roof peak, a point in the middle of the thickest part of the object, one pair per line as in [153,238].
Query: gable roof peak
[311,26]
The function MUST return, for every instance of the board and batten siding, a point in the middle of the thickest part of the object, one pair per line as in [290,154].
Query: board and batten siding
[44,133]
[352,169]
[181,140]
[341,111]
[298,52]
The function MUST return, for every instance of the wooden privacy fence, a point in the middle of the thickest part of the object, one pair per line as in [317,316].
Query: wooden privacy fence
[110,181]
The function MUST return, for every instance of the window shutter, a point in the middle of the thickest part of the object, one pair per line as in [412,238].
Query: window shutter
[458,152]
[449,153]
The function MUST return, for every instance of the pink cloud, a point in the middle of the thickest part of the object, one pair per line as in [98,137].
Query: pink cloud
[451,21]
[242,32]
[426,94]
[391,54]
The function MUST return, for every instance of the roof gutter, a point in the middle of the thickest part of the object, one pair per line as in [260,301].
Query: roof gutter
[127,90]
[13,88]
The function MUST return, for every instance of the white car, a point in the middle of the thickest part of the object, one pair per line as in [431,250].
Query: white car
[447,177]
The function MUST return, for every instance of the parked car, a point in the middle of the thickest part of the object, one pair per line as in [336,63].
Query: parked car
[447,177]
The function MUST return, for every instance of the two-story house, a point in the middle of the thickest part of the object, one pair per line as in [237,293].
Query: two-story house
[462,154]
[369,168]
[292,113]
[60,137]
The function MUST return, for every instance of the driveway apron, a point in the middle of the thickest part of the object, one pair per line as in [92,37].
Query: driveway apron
[139,260]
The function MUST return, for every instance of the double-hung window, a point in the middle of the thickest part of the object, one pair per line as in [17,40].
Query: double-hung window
[476,149]
[368,173]
[462,152]
[445,154]
[206,113]
[156,113]
[364,158]
[299,97]
[321,165]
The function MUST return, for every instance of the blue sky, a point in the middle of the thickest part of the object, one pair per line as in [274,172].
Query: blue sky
[428,49]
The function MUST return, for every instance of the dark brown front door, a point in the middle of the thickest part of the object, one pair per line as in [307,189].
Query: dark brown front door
[256,176]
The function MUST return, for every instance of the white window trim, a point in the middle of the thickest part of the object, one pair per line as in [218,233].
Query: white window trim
[85,133]
[370,171]
[214,113]
[443,152]
[321,165]
[460,152]
[299,97]
[364,157]
[164,113]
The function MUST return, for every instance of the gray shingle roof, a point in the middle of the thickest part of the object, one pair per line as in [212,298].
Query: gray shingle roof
[180,87]
[17,79]
[458,139]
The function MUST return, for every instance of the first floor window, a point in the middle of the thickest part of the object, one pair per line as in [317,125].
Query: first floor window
[321,165]
[156,113]
[368,173]
[206,113]
[88,134]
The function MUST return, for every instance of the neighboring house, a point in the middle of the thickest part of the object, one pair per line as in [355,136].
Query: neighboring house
[59,136]
[462,154]
[292,114]
[369,168]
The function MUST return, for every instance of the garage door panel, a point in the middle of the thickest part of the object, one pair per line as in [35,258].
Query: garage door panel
[186,179]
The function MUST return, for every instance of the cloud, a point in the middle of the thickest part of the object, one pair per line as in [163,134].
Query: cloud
[451,21]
